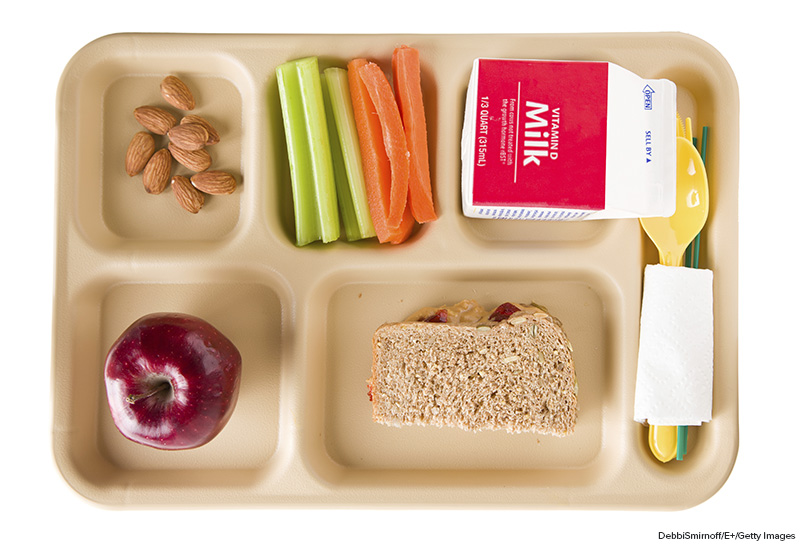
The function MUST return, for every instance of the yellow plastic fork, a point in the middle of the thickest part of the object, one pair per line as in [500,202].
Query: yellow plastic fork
[671,236]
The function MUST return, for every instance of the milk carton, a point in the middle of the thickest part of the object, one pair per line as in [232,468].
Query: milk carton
[567,140]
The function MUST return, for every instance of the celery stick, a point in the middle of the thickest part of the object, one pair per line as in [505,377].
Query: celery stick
[346,210]
[305,215]
[308,146]
[321,161]
[355,188]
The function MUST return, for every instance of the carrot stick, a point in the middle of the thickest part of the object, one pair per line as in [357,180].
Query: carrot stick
[377,173]
[394,138]
[404,229]
[408,89]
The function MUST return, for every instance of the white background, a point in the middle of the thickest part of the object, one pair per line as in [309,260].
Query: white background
[760,41]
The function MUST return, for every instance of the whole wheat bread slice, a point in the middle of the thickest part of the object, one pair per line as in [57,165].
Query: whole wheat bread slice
[513,373]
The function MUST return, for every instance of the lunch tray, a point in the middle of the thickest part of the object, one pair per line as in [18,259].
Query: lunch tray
[303,317]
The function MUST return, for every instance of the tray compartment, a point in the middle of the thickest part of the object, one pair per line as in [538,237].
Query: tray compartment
[121,210]
[357,307]
[279,198]
[125,203]
[103,457]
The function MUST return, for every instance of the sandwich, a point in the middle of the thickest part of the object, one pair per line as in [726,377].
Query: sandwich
[462,366]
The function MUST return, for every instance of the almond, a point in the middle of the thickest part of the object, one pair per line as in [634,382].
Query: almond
[187,195]
[189,136]
[139,152]
[195,160]
[213,135]
[177,93]
[154,119]
[214,182]
[156,172]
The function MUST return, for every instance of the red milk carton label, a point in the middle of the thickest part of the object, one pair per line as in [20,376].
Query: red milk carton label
[540,134]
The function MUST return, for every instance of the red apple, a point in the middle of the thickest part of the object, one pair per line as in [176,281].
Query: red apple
[172,381]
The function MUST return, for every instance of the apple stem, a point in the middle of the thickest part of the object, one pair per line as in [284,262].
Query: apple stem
[133,398]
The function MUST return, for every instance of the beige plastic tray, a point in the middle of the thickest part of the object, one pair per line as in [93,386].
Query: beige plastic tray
[303,318]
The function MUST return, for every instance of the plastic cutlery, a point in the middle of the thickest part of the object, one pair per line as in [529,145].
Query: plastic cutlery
[671,236]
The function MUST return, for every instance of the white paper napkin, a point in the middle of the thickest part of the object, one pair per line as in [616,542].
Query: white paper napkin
[674,379]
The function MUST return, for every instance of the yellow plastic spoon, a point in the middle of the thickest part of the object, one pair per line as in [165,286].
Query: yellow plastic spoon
[663,441]
[671,236]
